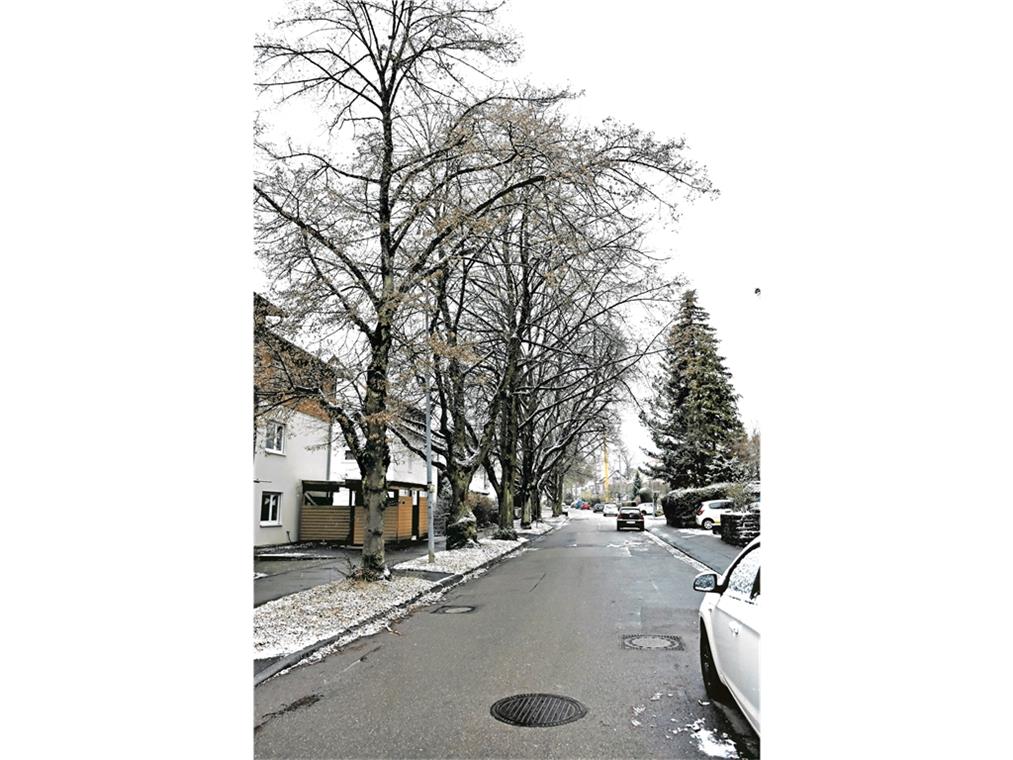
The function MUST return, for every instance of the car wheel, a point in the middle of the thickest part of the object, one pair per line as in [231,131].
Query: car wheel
[708,524]
[711,683]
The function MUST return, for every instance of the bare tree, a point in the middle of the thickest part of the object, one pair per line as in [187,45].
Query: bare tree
[343,228]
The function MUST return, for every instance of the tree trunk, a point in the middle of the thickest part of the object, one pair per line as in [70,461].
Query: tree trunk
[374,487]
[526,485]
[557,494]
[508,467]
[375,456]
[462,530]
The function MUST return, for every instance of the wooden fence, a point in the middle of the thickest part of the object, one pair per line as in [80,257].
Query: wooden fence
[401,522]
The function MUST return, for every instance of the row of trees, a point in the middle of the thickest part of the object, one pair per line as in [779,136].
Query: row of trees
[454,229]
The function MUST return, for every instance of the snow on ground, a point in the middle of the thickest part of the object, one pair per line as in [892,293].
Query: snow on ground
[293,622]
[259,575]
[710,744]
[380,624]
[695,532]
[542,526]
[463,560]
[287,555]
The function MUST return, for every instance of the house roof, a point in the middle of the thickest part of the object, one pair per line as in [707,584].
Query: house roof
[264,308]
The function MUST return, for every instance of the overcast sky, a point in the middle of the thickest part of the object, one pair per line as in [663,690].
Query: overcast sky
[680,70]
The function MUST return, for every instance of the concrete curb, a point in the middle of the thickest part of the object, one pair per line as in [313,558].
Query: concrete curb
[663,538]
[443,584]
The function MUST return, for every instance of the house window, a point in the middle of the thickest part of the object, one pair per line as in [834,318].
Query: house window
[275,439]
[349,454]
[270,508]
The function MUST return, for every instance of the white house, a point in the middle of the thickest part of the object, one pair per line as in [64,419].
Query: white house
[292,447]
[307,486]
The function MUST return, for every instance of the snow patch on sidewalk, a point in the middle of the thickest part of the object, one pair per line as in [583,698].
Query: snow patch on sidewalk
[370,629]
[542,526]
[463,560]
[296,621]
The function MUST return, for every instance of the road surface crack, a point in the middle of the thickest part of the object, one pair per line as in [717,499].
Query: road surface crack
[301,702]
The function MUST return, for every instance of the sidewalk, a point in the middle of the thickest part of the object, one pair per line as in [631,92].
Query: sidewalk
[288,570]
[701,545]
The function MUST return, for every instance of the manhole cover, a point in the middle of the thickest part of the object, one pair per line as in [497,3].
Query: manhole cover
[451,610]
[652,641]
[537,710]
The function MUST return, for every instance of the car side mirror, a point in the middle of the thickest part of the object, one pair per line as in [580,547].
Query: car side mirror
[705,582]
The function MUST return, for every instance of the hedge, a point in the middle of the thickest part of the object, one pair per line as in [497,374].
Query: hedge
[680,505]
[740,529]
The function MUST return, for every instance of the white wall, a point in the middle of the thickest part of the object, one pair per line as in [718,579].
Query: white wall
[305,458]
[404,465]
[480,483]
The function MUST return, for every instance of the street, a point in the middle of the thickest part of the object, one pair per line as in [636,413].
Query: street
[551,620]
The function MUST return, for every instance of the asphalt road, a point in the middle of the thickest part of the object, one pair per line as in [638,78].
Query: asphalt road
[549,620]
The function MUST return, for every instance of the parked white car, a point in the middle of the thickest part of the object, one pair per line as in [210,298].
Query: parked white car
[708,514]
[730,632]
[610,510]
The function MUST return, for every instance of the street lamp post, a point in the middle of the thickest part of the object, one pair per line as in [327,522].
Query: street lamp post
[429,470]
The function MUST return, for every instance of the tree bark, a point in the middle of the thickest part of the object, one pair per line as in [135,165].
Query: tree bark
[508,466]
[375,458]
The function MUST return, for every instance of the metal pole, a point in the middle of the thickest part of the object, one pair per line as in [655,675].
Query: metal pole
[429,471]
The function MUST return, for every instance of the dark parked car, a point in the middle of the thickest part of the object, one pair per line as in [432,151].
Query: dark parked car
[629,517]
[598,507]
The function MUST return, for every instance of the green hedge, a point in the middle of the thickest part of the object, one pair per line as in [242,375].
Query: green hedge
[680,505]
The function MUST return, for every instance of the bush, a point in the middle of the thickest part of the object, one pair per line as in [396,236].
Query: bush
[741,494]
[595,500]
[645,496]
[680,505]
[485,509]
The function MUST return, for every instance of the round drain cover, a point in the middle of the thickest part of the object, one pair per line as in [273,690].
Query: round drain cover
[653,642]
[538,710]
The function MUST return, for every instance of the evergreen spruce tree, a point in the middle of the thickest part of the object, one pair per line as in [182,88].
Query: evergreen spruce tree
[694,420]
[637,484]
